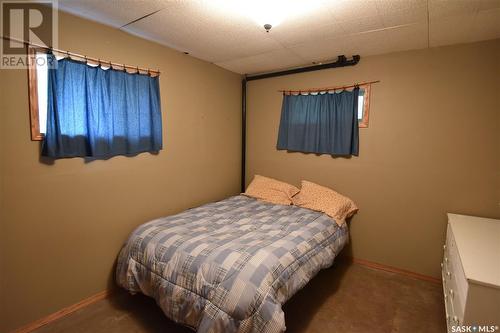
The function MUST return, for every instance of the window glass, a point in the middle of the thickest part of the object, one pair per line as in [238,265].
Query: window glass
[41,76]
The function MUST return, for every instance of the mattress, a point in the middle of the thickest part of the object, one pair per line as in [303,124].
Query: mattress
[229,266]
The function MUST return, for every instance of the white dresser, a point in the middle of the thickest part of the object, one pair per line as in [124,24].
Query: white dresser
[471,272]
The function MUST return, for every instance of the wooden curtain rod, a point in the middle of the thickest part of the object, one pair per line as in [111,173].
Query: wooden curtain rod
[289,92]
[86,58]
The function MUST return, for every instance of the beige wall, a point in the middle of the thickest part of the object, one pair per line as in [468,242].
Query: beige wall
[433,146]
[63,224]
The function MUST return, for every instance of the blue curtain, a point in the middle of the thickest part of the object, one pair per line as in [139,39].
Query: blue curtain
[100,113]
[326,123]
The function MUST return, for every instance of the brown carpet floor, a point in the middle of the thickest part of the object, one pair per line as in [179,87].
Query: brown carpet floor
[344,298]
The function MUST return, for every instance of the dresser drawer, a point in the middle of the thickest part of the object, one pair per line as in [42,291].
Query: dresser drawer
[455,300]
[446,248]
[451,318]
[455,276]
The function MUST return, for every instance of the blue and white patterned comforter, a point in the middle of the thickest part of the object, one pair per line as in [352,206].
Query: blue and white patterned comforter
[229,266]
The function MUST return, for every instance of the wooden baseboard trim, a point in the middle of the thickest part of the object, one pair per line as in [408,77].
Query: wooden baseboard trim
[395,270]
[63,312]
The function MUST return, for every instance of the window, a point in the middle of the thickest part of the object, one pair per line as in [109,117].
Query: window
[37,80]
[363,106]
[87,115]
[320,123]
[85,109]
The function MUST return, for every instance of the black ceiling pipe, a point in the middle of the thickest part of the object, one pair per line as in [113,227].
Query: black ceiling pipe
[243,132]
[341,62]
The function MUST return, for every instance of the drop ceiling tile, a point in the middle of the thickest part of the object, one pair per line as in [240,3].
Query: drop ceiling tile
[401,38]
[317,16]
[269,61]
[113,12]
[447,8]
[403,17]
[288,36]
[451,30]
[315,24]
[396,13]
[344,10]
[207,34]
[483,25]
[388,6]
[326,50]
[413,36]
[362,24]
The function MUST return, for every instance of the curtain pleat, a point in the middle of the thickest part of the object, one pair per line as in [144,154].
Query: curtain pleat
[322,124]
[99,113]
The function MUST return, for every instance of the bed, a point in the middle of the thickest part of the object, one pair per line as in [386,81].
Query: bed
[229,266]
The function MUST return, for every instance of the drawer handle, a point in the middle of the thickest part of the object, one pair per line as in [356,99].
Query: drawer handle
[451,293]
[444,247]
[442,265]
[445,260]
[449,274]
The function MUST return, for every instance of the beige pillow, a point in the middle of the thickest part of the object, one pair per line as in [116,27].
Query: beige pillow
[271,190]
[323,199]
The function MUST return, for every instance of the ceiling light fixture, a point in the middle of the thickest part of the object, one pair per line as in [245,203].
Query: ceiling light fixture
[266,13]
